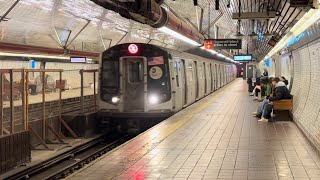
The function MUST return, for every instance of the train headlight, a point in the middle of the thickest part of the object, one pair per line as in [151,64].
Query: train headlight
[154,99]
[115,99]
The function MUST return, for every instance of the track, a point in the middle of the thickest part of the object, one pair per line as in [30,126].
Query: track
[65,164]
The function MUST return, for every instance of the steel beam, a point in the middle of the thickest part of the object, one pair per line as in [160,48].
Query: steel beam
[88,22]
[254,15]
[9,10]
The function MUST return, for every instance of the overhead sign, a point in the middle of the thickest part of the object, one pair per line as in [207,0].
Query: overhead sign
[219,44]
[254,15]
[245,57]
[299,3]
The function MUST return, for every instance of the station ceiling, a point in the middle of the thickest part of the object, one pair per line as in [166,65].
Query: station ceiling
[56,23]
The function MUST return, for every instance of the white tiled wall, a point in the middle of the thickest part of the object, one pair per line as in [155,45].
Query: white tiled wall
[306,88]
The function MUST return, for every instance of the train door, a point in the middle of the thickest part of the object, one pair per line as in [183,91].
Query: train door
[205,78]
[179,89]
[216,76]
[184,83]
[196,79]
[224,75]
[135,83]
[221,75]
[211,79]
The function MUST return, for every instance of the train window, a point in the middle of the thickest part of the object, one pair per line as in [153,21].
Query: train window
[200,69]
[177,73]
[135,72]
[190,72]
[110,74]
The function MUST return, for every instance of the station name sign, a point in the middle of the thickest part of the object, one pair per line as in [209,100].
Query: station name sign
[219,44]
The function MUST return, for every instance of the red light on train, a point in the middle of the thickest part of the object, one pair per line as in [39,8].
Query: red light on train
[133,48]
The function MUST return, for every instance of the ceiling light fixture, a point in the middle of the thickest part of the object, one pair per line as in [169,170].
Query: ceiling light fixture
[178,36]
[217,5]
[228,5]
[221,55]
[239,35]
[195,2]
[305,22]
[211,51]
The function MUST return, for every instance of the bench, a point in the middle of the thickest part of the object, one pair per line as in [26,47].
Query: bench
[281,109]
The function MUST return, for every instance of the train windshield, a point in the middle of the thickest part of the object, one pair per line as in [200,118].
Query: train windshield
[110,74]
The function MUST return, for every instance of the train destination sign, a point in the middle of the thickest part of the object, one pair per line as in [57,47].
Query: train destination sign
[218,44]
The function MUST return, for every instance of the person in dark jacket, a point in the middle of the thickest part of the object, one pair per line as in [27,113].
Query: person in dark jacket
[265,72]
[280,92]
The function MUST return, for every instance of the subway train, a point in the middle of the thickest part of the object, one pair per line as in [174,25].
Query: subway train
[144,80]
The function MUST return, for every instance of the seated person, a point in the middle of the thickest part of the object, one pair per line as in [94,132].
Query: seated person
[280,92]
[260,88]
[283,79]
[267,89]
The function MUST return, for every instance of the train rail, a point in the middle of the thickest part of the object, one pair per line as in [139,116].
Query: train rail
[65,164]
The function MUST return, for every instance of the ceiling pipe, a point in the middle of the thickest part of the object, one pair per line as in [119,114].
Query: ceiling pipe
[150,12]
[26,49]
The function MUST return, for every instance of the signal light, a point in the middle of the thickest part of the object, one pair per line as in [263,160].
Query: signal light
[133,48]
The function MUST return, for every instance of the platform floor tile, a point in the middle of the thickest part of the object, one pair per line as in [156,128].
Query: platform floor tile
[215,138]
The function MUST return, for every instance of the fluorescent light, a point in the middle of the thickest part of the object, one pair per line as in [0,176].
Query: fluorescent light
[179,36]
[311,20]
[305,22]
[213,51]
[221,55]
[33,55]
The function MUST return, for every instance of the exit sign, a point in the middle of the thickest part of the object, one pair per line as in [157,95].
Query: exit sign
[208,44]
[219,44]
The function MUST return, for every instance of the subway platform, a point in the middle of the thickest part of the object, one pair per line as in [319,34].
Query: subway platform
[215,138]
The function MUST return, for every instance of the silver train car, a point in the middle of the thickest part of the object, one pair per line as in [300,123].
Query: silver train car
[144,80]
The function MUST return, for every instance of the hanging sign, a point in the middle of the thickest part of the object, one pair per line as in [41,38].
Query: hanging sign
[272,42]
[219,44]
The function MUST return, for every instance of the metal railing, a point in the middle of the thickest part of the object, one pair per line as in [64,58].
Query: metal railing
[11,91]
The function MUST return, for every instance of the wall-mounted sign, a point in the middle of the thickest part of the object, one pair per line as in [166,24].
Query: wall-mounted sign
[245,57]
[219,44]
[268,63]
[78,59]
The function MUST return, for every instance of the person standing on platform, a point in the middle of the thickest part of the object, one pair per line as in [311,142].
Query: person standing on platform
[265,72]
[257,76]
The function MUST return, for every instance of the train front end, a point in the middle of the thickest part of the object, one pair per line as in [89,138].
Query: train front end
[135,82]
